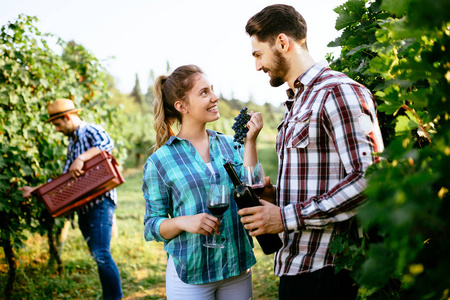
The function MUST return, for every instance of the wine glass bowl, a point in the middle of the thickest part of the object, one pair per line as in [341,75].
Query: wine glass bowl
[254,178]
[217,203]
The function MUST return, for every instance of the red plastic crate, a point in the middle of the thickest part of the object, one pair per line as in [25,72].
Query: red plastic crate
[64,194]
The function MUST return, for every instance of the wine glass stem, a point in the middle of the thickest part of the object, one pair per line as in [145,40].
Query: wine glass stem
[215,234]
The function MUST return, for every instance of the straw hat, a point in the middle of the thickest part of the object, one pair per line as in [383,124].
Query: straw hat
[60,107]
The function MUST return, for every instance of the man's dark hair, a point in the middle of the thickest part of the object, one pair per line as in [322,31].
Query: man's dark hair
[275,19]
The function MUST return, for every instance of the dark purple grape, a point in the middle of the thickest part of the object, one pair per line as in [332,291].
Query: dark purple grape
[240,127]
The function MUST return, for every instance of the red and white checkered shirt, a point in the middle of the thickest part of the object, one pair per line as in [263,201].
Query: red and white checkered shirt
[325,143]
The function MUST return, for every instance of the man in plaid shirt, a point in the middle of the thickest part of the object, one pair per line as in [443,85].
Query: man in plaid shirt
[326,141]
[95,219]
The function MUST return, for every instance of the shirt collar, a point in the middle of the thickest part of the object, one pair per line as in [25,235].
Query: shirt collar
[76,134]
[309,77]
[306,79]
[173,138]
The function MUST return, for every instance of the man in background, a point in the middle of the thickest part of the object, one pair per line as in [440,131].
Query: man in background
[96,218]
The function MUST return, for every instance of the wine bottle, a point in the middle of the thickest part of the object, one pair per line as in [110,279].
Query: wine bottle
[246,197]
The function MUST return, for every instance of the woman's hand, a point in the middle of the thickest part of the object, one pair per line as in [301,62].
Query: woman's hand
[255,124]
[203,223]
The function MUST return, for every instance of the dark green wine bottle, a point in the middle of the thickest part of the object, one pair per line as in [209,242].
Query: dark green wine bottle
[246,197]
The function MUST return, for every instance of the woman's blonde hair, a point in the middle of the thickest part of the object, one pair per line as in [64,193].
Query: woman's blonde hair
[168,90]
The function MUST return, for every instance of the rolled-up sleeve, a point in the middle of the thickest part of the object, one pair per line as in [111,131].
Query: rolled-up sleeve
[157,199]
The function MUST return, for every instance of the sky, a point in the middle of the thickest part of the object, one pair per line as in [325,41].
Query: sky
[139,36]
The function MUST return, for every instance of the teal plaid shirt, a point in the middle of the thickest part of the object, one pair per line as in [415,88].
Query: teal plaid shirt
[175,183]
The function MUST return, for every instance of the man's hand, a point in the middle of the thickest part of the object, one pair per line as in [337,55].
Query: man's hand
[27,190]
[269,191]
[262,219]
[76,168]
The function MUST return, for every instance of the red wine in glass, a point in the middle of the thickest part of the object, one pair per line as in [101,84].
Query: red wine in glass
[258,188]
[218,209]
[254,178]
[217,203]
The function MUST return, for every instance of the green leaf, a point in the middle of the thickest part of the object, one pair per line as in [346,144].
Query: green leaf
[388,109]
[406,123]
[44,83]
[27,171]
[349,13]
[396,7]
[13,98]
[377,269]
[420,98]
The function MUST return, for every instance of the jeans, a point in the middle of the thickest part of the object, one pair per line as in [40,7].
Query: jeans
[96,227]
[322,284]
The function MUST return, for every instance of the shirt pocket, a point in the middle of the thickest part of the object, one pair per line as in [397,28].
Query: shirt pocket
[298,130]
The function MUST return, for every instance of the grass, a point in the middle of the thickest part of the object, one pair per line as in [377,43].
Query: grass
[142,264]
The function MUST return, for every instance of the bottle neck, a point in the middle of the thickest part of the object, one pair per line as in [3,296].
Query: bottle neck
[232,173]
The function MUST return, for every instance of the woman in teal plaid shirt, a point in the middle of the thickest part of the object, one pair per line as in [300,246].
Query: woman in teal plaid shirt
[176,180]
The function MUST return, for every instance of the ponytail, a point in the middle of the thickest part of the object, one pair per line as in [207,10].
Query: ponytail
[168,90]
[161,124]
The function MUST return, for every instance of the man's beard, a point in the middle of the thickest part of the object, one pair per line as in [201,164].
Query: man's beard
[279,71]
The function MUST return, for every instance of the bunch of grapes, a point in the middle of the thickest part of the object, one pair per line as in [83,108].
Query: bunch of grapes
[240,127]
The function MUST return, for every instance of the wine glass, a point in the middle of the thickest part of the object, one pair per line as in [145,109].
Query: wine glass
[218,201]
[254,178]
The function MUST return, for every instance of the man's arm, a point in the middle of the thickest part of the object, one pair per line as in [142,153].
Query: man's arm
[355,145]
[349,117]
[76,168]
[27,190]
[99,140]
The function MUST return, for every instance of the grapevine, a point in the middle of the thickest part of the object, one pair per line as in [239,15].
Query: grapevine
[240,127]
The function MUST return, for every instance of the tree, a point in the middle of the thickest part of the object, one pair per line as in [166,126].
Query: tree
[400,50]
[149,96]
[136,93]
[31,76]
